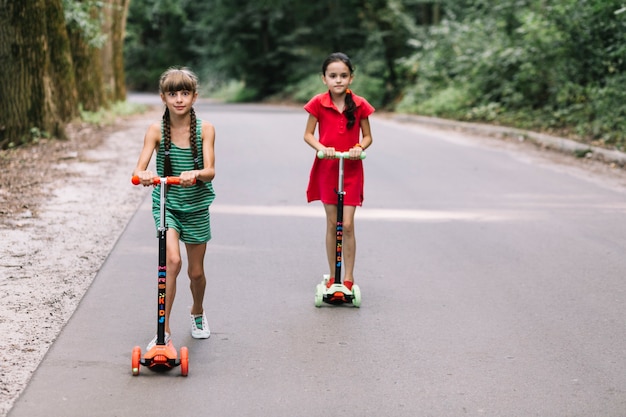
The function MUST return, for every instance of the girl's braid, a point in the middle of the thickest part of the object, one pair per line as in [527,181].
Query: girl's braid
[194,142]
[350,109]
[167,168]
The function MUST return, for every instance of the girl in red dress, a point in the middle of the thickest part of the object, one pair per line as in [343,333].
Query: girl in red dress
[343,125]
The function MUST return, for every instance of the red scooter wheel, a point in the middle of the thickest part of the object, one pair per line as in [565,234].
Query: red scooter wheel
[184,361]
[136,360]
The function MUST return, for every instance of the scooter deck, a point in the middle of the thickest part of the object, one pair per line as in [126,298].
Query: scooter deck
[161,358]
[161,355]
[337,294]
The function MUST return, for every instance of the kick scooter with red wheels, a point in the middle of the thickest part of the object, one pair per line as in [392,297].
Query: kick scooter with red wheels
[163,356]
[337,292]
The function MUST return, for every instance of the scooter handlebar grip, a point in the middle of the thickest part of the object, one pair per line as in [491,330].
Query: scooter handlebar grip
[174,180]
[156,180]
[136,181]
[344,155]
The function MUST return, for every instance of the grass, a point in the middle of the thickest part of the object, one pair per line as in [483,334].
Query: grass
[108,116]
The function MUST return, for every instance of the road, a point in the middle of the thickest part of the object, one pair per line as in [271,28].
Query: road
[492,283]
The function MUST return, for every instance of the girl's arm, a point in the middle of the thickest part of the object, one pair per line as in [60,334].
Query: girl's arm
[309,137]
[150,143]
[208,151]
[366,140]
[207,173]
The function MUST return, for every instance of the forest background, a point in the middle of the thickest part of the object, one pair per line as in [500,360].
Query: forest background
[556,66]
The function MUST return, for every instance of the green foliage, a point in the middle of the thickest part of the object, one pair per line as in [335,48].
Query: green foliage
[553,67]
[307,87]
[370,87]
[85,17]
[234,92]
[445,102]
[37,134]
[157,34]
[104,116]
[268,46]
[557,66]
[34,135]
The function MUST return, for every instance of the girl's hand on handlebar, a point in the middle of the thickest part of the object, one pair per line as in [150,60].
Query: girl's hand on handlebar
[329,153]
[146,178]
[355,152]
[188,178]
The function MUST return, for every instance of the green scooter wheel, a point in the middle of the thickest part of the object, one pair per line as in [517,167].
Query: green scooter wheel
[319,295]
[356,296]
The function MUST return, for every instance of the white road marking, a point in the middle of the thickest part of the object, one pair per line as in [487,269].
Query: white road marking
[370,213]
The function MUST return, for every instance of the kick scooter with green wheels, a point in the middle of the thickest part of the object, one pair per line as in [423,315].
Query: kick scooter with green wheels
[337,292]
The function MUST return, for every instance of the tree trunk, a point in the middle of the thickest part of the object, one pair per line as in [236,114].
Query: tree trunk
[88,69]
[30,80]
[106,52]
[114,27]
[118,32]
[436,13]
[63,83]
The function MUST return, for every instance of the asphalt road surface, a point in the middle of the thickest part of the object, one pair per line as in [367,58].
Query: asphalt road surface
[493,285]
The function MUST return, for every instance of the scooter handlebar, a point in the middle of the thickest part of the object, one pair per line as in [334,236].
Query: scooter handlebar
[339,155]
[157,180]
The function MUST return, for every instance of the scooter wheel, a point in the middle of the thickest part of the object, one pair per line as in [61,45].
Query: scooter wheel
[136,360]
[356,296]
[319,295]
[184,361]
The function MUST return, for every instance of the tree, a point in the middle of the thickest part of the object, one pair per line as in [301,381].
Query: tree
[158,38]
[267,44]
[112,54]
[34,59]
[96,30]
[390,27]
[86,40]
[55,54]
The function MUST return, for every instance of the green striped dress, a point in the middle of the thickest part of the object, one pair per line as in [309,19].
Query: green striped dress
[183,200]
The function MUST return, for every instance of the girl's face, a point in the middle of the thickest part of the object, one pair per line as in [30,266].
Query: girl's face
[337,77]
[179,102]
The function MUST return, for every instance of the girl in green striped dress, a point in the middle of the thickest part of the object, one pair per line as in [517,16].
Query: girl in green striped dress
[184,147]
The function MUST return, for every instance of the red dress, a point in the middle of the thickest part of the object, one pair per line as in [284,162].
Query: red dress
[333,132]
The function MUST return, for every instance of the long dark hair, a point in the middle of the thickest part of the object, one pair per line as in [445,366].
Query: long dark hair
[175,79]
[350,106]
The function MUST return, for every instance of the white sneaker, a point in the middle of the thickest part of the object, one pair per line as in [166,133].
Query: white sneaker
[199,326]
[154,341]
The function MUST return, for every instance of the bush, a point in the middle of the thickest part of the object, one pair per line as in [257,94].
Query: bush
[448,102]
[557,67]
[234,92]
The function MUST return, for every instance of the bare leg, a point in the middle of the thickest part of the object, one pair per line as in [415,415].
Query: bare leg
[197,278]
